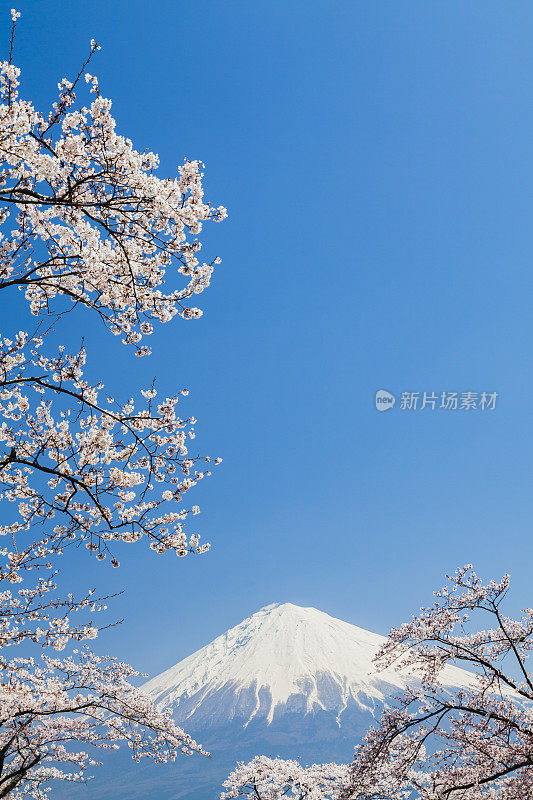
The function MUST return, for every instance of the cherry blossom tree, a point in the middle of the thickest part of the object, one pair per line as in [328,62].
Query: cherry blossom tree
[474,743]
[273,779]
[86,225]
[50,707]
[54,711]
[92,222]
[88,469]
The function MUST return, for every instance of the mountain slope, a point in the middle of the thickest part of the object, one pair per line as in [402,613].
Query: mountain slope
[288,681]
[282,660]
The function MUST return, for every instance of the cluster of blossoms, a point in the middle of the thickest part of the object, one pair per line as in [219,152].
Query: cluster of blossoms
[47,704]
[93,222]
[273,779]
[95,228]
[29,615]
[86,223]
[109,472]
[475,743]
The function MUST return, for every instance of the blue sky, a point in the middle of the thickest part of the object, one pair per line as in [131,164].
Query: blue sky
[376,162]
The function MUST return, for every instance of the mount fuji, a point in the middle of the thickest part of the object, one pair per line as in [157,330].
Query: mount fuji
[284,661]
[288,681]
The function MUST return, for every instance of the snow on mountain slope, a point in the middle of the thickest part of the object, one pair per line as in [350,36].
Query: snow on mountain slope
[282,659]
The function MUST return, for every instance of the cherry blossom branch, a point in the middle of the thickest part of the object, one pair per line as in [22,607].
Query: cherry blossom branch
[86,199]
[103,462]
[474,742]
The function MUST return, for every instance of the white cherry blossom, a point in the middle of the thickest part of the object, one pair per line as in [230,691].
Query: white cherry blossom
[473,744]
[266,778]
[87,221]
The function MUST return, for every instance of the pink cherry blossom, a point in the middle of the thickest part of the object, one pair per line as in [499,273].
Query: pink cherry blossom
[91,222]
[86,223]
[114,472]
[474,743]
[273,779]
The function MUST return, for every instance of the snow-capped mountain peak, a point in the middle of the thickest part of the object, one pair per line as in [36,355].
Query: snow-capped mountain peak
[282,659]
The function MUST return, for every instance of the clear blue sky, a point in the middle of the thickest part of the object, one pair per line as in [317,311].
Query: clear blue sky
[376,161]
